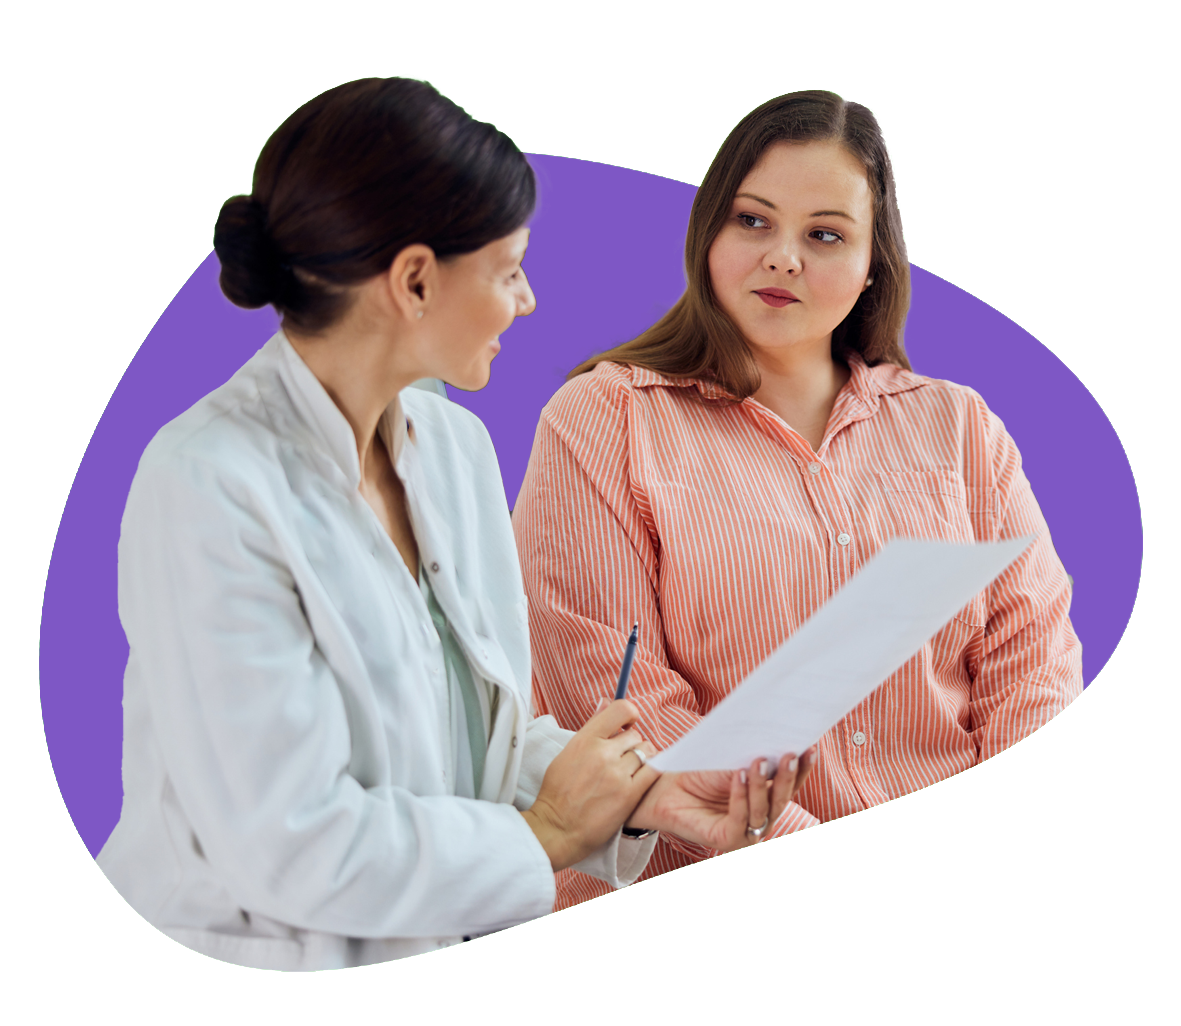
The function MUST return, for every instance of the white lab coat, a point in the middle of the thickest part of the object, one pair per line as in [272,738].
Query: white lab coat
[289,793]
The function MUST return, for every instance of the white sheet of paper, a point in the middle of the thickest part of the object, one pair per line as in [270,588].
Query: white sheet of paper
[844,651]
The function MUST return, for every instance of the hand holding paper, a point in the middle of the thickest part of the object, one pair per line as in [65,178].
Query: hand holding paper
[845,650]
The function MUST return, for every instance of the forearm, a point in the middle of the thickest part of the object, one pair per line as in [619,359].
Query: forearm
[1029,665]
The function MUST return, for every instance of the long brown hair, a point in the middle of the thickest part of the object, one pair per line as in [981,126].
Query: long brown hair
[696,339]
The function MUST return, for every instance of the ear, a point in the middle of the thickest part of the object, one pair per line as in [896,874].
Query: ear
[413,280]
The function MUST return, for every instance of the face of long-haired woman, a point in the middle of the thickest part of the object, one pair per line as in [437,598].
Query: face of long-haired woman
[794,253]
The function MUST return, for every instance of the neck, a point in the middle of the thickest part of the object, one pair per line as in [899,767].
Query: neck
[361,373]
[800,384]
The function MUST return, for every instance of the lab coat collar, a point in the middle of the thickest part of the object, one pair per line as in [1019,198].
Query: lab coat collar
[331,431]
[324,418]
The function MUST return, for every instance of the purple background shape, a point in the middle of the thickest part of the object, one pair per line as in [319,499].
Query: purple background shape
[605,262]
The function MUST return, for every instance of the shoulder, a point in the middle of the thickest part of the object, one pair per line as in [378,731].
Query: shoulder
[591,413]
[608,394]
[948,418]
[915,393]
[607,389]
[229,430]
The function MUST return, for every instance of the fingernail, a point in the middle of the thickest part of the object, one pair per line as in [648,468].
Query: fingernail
[763,768]
[794,764]
[742,775]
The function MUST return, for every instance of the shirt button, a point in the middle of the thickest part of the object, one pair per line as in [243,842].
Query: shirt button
[843,539]
[813,468]
[859,739]
[426,630]
[434,568]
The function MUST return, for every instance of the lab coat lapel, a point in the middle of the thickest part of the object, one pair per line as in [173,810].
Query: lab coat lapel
[484,654]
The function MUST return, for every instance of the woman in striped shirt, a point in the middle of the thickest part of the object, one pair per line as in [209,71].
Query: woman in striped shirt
[719,477]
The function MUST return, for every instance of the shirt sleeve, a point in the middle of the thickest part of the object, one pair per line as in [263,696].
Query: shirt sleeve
[590,562]
[259,736]
[1026,666]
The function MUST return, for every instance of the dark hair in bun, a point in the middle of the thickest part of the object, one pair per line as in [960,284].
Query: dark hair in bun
[353,177]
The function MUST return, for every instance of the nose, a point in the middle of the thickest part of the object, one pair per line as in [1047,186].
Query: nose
[526,302]
[785,258]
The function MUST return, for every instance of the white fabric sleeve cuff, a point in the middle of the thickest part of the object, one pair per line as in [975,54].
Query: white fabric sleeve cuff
[620,861]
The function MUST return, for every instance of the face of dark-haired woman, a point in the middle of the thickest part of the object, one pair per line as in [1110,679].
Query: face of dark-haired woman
[794,253]
[478,296]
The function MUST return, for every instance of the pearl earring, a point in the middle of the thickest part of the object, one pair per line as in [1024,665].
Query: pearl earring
[420,315]
[868,282]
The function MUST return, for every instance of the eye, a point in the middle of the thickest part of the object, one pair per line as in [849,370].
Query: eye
[750,221]
[825,236]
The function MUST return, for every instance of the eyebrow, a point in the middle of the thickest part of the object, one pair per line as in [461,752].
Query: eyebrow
[757,199]
[815,213]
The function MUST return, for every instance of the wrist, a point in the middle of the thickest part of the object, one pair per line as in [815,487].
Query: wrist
[643,816]
[559,847]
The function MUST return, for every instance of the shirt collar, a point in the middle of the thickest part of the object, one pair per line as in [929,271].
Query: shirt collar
[323,417]
[642,377]
[866,383]
[884,379]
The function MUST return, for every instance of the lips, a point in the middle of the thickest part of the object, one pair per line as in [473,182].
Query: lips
[776,297]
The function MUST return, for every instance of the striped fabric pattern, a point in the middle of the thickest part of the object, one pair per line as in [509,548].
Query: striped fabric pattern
[716,526]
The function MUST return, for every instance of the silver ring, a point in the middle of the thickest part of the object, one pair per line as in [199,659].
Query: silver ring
[639,755]
[757,832]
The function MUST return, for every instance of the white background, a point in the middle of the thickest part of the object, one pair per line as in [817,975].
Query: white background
[1032,146]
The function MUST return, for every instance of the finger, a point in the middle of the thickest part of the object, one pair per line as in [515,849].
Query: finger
[757,797]
[807,765]
[738,815]
[640,749]
[785,785]
[625,741]
[612,719]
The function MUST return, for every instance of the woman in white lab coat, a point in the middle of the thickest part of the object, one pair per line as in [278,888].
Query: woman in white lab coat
[329,758]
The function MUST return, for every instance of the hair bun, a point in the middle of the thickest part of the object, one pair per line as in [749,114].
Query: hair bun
[250,268]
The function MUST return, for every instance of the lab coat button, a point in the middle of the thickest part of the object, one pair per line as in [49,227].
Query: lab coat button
[514,740]
[858,739]
[843,539]
[813,468]
[434,568]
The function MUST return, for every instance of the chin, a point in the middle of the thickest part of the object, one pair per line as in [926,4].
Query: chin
[472,381]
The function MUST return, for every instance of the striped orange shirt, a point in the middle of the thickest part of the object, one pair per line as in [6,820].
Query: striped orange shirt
[717,527]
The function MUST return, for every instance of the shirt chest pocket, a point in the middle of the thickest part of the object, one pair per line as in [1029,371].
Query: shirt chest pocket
[931,504]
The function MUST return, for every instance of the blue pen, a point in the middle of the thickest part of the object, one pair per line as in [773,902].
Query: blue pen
[629,654]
